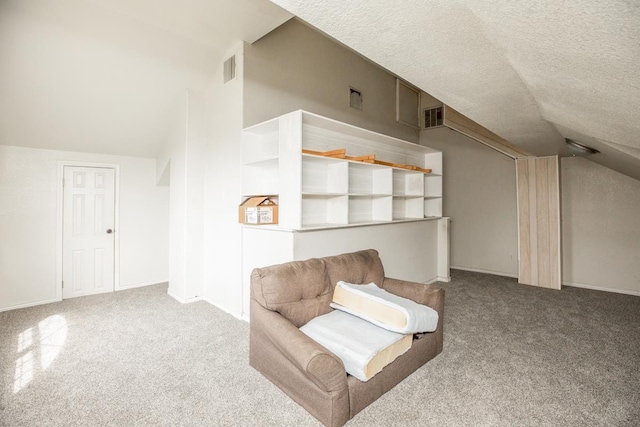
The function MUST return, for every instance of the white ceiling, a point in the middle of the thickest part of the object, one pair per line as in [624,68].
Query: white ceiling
[532,71]
[105,76]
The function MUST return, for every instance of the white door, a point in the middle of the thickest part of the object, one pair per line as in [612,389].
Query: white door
[88,231]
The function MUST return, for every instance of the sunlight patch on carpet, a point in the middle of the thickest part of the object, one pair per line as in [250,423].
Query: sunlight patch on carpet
[38,348]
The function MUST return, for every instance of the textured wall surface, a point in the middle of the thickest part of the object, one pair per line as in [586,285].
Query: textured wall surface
[600,227]
[296,67]
[479,189]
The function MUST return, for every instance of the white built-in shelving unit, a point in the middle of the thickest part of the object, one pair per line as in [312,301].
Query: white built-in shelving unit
[316,192]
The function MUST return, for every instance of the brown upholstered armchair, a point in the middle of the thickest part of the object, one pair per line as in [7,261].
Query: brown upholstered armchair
[284,297]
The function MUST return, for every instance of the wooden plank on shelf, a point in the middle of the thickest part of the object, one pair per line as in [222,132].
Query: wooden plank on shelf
[361,158]
[381,162]
[338,153]
[401,166]
[418,168]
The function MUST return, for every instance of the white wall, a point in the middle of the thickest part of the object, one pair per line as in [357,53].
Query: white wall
[77,71]
[296,67]
[222,233]
[404,255]
[195,194]
[28,222]
[479,195]
[600,227]
[182,161]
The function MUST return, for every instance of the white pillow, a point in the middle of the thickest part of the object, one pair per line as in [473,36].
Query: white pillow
[384,309]
[363,347]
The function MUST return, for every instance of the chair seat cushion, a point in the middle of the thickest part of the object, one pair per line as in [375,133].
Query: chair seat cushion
[363,347]
[384,309]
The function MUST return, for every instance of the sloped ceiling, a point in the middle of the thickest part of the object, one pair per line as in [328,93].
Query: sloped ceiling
[105,76]
[532,71]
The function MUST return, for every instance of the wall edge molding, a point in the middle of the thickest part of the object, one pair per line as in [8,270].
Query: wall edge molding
[602,289]
[481,270]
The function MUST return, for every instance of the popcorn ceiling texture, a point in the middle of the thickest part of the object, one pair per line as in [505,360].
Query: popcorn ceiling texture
[533,71]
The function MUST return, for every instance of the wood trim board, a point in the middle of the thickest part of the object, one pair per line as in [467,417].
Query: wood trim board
[460,123]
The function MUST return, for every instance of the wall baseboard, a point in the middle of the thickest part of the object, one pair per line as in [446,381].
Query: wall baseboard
[49,301]
[602,288]
[225,309]
[183,300]
[480,270]
[29,304]
[570,284]
[431,281]
[141,284]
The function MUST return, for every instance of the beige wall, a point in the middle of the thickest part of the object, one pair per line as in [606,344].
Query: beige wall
[479,191]
[295,67]
[600,215]
[600,227]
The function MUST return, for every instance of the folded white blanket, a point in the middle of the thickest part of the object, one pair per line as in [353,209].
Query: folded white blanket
[363,347]
[384,309]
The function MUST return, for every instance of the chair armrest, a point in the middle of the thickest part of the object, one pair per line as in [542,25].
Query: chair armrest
[428,295]
[317,363]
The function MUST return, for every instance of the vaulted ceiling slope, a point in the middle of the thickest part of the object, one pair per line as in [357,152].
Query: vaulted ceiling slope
[532,71]
[106,76]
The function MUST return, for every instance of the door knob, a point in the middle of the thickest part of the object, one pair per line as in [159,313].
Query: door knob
[109,231]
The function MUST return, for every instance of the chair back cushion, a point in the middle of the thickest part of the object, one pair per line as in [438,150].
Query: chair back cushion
[302,290]
[357,267]
[299,290]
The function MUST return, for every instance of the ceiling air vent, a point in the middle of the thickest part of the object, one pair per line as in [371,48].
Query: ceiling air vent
[230,69]
[433,117]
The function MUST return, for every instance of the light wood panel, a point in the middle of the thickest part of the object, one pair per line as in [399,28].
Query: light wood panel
[539,222]
[524,229]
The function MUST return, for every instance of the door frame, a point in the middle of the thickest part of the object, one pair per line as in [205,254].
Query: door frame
[60,219]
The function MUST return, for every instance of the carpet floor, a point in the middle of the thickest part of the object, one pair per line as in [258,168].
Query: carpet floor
[513,356]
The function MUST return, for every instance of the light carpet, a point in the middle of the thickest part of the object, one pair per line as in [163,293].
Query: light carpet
[513,356]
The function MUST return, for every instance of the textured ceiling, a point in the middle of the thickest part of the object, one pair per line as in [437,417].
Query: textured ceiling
[532,71]
[105,76]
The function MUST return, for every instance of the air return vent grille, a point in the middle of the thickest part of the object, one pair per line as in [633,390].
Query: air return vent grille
[355,98]
[230,69]
[433,117]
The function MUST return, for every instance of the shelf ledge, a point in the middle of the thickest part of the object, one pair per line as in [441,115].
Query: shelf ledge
[316,227]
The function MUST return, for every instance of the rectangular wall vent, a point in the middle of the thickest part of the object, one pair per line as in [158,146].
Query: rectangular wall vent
[230,69]
[433,117]
[355,99]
